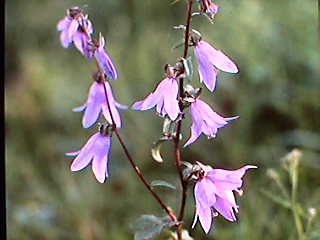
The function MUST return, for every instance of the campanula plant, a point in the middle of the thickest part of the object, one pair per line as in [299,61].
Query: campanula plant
[173,96]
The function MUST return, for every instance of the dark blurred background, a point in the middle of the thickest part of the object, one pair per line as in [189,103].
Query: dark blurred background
[276,94]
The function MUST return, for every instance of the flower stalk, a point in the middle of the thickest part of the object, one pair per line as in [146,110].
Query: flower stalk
[131,160]
[177,137]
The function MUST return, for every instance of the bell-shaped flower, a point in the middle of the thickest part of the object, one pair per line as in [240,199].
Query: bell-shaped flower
[68,27]
[210,61]
[209,7]
[104,60]
[213,194]
[205,120]
[82,38]
[95,151]
[97,102]
[164,98]
[76,28]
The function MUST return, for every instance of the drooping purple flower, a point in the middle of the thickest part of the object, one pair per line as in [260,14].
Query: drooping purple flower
[210,61]
[96,150]
[96,102]
[205,120]
[164,97]
[68,27]
[82,40]
[213,193]
[209,7]
[76,28]
[104,60]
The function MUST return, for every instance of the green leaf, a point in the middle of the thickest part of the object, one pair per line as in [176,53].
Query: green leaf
[149,226]
[162,183]
[177,45]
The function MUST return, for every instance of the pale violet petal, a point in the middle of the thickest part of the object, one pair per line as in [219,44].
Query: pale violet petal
[100,160]
[85,155]
[195,133]
[72,154]
[79,108]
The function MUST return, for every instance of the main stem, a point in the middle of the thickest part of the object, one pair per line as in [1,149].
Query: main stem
[177,138]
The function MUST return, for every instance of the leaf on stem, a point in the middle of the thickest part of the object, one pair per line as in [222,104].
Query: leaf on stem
[149,226]
[162,183]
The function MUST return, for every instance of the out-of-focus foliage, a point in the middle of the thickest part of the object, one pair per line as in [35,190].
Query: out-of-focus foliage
[277,95]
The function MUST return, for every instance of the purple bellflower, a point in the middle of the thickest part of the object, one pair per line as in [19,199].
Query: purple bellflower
[164,97]
[213,193]
[104,60]
[209,7]
[82,39]
[205,120]
[210,61]
[96,102]
[96,150]
[68,27]
[76,28]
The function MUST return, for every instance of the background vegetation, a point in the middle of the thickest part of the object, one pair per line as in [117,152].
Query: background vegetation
[274,43]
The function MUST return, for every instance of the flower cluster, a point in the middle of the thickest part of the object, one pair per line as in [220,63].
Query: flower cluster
[76,28]
[214,188]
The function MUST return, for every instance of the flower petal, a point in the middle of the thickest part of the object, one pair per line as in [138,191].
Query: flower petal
[216,57]
[71,154]
[106,63]
[73,28]
[171,103]
[100,160]
[203,210]
[91,114]
[207,72]
[228,179]
[85,156]
[63,24]
[64,39]
[224,207]
[195,133]
[79,108]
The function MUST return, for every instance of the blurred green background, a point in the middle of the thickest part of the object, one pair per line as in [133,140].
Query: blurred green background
[276,93]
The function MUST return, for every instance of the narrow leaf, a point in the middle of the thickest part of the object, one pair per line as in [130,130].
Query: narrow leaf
[162,183]
[177,45]
[149,226]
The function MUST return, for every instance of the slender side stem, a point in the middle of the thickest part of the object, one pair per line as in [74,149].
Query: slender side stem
[177,138]
[294,204]
[133,164]
[135,167]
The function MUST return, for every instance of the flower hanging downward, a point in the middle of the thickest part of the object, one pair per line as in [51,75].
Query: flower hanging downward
[104,60]
[210,62]
[96,102]
[213,193]
[209,7]
[77,28]
[205,120]
[96,150]
[164,97]
[82,39]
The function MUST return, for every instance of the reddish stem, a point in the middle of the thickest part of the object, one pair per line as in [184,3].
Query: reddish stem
[125,149]
[177,138]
